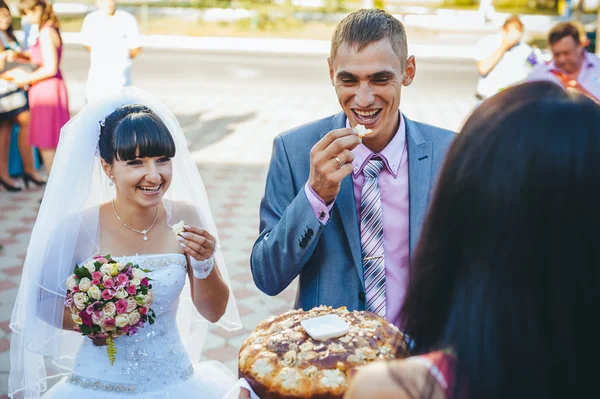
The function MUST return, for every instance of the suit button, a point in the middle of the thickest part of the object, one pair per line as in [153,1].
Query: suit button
[310,231]
[304,240]
[302,245]
[361,296]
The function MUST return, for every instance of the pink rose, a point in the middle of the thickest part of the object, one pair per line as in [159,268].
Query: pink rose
[77,328]
[102,335]
[75,289]
[86,318]
[144,282]
[69,302]
[100,259]
[106,295]
[90,309]
[109,283]
[95,282]
[126,329]
[110,323]
[121,306]
[143,310]
[122,279]
[97,276]
[131,290]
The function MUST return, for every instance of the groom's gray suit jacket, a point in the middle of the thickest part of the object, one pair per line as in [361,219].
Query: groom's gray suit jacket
[327,257]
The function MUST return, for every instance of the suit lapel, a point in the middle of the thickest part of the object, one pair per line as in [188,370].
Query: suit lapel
[419,178]
[346,206]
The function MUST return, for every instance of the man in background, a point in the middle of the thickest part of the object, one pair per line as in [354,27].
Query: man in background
[503,59]
[113,39]
[571,66]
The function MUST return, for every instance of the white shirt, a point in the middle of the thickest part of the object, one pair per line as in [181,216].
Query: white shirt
[514,66]
[110,38]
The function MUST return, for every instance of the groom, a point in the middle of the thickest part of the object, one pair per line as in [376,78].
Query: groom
[345,214]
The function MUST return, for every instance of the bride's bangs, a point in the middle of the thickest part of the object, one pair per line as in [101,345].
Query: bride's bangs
[143,136]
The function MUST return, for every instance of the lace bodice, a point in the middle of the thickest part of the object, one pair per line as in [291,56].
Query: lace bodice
[155,356]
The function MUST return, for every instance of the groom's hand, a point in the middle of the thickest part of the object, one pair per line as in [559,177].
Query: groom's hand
[331,161]
[244,393]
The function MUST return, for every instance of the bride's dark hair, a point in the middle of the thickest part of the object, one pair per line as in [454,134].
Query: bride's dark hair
[134,131]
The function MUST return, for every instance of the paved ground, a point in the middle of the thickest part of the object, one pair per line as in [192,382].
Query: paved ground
[230,106]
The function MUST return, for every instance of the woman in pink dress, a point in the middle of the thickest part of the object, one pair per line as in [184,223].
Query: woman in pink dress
[48,100]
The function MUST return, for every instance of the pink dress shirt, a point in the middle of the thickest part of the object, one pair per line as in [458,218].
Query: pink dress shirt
[589,76]
[393,185]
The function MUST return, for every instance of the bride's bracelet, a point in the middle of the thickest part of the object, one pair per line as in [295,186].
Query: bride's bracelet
[202,268]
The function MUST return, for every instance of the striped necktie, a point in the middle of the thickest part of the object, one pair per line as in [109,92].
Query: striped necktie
[371,238]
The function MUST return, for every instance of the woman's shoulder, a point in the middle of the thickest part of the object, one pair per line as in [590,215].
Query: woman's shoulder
[413,377]
[182,210]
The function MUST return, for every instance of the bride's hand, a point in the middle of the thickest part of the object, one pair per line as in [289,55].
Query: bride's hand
[197,243]
[244,393]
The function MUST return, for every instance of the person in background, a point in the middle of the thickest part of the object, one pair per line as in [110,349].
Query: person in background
[503,59]
[571,66]
[48,99]
[113,39]
[505,287]
[19,115]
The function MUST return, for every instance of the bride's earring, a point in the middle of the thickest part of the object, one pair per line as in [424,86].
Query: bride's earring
[112,181]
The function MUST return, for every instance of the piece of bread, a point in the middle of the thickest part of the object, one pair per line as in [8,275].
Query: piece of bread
[362,131]
[178,228]
[281,361]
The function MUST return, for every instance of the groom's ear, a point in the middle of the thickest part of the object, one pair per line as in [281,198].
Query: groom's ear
[106,167]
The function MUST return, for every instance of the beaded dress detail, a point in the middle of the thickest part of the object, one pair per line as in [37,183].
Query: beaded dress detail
[153,363]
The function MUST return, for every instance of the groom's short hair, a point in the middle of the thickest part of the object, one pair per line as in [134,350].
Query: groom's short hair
[366,26]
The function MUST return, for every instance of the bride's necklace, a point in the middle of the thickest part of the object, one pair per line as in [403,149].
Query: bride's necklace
[144,232]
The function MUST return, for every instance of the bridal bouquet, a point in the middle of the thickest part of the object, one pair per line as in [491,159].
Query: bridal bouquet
[108,299]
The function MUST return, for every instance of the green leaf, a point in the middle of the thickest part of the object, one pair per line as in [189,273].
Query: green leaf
[82,272]
[85,330]
[97,265]
[95,328]
[145,270]
[150,320]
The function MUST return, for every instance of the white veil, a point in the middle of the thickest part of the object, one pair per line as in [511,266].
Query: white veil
[66,232]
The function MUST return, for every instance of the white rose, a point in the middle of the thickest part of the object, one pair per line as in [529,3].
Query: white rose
[122,321]
[105,269]
[99,321]
[136,281]
[90,267]
[76,319]
[80,299]
[94,293]
[109,310]
[85,284]
[121,294]
[71,283]
[120,266]
[138,273]
[134,317]
[131,305]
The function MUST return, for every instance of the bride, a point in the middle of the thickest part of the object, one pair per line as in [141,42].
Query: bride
[122,176]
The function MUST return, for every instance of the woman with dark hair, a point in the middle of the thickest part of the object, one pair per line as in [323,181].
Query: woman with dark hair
[48,100]
[123,179]
[14,110]
[505,281]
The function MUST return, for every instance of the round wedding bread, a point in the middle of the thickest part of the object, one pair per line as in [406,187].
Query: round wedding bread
[281,361]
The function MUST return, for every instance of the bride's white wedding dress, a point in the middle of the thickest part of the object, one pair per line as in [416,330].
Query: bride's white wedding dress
[153,363]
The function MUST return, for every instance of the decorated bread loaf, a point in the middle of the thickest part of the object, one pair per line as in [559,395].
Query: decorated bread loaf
[281,360]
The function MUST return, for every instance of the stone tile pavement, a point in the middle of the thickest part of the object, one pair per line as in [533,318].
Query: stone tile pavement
[230,134]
